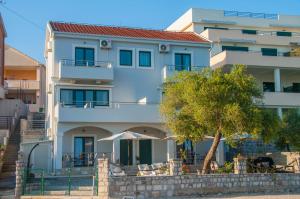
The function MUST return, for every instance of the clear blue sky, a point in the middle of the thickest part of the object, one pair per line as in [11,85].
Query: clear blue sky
[156,14]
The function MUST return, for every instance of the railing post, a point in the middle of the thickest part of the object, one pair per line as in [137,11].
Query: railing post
[42,182]
[69,181]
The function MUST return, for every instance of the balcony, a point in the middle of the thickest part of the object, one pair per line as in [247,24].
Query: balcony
[22,84]
[253,58]
[170,70]
[114,112]
[281,99]
[261,37]
[85,70]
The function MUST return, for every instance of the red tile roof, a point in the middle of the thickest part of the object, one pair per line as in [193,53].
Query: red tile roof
[126,32]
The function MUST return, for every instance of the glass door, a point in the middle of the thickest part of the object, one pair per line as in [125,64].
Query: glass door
[79,98]
[83,151]
[182,61]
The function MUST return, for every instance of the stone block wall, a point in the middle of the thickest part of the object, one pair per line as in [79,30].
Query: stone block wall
[195,185]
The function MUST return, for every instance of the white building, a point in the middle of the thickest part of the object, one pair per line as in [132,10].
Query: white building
[263,42]
[104,80]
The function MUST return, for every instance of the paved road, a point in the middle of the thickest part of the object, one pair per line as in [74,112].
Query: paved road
[281,196]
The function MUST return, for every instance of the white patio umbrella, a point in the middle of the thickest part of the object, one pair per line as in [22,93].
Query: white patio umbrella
[128,135]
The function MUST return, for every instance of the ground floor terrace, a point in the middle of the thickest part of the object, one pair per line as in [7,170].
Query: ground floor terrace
[79,145]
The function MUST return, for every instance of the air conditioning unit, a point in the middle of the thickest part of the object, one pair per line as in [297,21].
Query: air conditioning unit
[164,48]
[106,44]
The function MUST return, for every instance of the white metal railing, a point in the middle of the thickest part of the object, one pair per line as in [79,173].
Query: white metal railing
[85,63]
[228,13]
[22,84]
[36,124]
[279,54]
[97,104]
[258,32]
[184,68]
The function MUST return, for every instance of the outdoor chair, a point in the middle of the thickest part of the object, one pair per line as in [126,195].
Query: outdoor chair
[160,168]
[145,170]
[115,170]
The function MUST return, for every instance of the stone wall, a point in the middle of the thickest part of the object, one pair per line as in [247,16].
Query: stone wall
[196,185]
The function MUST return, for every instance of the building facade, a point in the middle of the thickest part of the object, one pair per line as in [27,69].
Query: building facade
[268,44]
[2,44]
[104,80]
[25,79]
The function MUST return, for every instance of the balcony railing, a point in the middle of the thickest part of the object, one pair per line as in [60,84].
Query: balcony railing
[250,15]
[85,70]
[85,63]
[103,111]
[23,84]
[101,104]
[36,124]
[170,70]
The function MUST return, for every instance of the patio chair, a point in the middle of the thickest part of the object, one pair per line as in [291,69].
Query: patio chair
[160,168]
[145,170]
[115,170]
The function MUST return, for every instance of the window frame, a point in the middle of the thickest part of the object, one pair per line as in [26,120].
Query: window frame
[84,90]
[132,57]
[182,52]
[265,50]
[74,46]
[235,48]
[151,58]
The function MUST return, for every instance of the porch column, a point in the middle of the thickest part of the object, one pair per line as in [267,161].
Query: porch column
[279,112]
[171,149]
[58,151]
[116,151]
[277,80]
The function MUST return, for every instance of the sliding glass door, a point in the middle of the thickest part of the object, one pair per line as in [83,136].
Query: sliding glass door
[83,151]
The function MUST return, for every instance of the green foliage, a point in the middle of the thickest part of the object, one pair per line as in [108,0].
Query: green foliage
[227,168]
[288,134]
[210,101]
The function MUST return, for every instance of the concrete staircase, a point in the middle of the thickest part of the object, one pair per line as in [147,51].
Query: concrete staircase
[7,176]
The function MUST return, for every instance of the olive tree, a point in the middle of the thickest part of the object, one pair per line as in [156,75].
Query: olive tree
[215,103]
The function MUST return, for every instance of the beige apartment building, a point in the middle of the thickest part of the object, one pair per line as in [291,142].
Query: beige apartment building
[266,43]
[24,79]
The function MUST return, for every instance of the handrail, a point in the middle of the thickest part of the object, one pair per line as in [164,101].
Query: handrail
[188,68]
[279,54]
[258,32]
[85,63]
[23,84]
[228,13]
[92,104]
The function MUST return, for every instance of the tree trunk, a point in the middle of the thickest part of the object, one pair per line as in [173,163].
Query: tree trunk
[211,153]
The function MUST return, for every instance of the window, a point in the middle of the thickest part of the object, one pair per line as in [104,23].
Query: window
[66,97]
[216,28]
[268,87]
[84,98]
[182,61]
[101,97]
[125,58]
[84,56]
[249,32]
[145,59]
[235,48]
[284,34]
[269,51]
